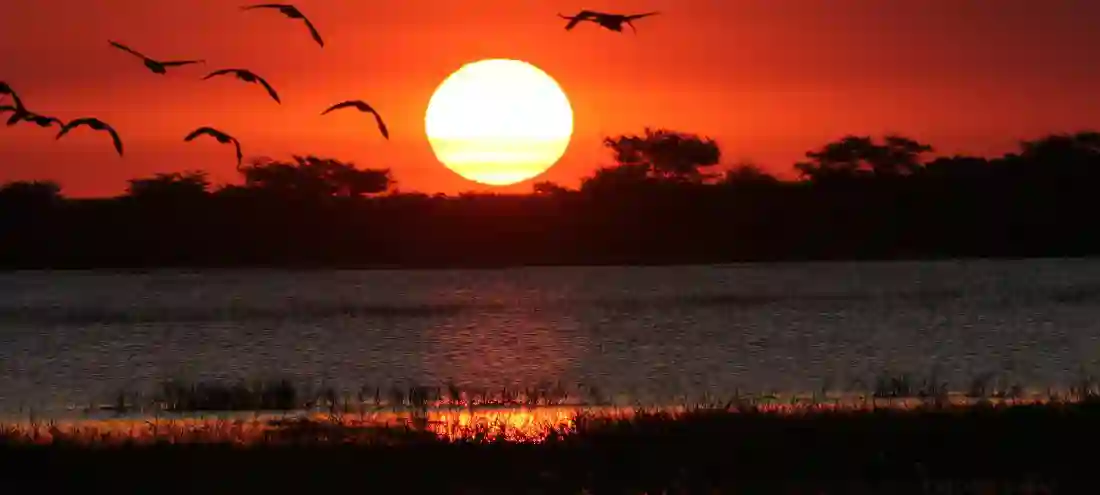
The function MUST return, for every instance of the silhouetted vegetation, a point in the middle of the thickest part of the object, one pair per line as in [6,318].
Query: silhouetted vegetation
[283,394]
[666,200]
[715,448]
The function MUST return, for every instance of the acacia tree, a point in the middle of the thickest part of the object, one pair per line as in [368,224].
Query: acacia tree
[856,156]
[314,177]
[665,155]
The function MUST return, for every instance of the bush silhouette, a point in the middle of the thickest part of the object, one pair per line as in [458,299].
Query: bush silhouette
[666,198]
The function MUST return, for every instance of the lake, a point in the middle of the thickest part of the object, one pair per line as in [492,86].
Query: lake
[648,334]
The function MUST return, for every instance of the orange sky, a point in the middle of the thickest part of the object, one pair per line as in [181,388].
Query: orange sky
[768,79]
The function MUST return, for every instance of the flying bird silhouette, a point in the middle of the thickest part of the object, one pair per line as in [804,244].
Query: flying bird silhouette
[247,76]
[95,124]
[362,107]
[156,66]
[291,12]
[220,136]
[613,22]
[20,114]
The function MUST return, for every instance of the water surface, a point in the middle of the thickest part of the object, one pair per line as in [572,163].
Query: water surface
[647,334]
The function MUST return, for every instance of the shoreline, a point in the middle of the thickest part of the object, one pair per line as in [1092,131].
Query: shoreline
[709,449]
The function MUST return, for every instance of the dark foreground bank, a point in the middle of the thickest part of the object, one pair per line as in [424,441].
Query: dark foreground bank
[975,449]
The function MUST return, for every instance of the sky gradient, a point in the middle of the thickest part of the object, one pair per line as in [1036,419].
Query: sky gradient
[768,80]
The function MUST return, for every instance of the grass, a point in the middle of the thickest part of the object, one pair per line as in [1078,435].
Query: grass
[281,394]
[180,396]
[907,436]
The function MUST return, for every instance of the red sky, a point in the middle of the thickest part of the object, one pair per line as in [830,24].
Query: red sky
[768,79]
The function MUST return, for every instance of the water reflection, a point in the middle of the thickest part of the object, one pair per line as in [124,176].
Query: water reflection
[518,344]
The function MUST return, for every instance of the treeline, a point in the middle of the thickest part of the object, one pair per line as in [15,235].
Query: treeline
[666,200]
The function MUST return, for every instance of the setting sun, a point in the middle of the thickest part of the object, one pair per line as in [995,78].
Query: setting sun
[499,121]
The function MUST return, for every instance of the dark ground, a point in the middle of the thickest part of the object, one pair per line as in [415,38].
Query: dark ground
[708,451]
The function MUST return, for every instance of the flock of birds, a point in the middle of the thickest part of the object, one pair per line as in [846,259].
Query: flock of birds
[20,113]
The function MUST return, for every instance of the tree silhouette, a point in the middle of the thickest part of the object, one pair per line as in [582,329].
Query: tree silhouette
[958,167]
[860,156]
[547,188]
[37,194]
[173,187]
[1078,147]
[1061,157]
[747,174]
[654,206]
[315,177]
[617,179]
[666,154]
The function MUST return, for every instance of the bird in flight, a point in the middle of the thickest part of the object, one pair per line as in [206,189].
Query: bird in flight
[362,107]
[613,22]
[156,66]
[291,12]
[20,114]
[95,124]
[220,136]
[247,76]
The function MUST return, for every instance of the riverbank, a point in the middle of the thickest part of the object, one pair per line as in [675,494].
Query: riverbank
[745,447]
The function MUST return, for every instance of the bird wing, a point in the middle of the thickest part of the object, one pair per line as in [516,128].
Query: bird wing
[5,89]
[34,117]
[73,124]
[219,135]
[313,32]
[265,6]
[114,138]
[346,104]
[219,72]
[210,131]
[15,99]
[7,108]
[127,49]
[381,125]
[270,90]
[240,156]
[573,21]
[177,63]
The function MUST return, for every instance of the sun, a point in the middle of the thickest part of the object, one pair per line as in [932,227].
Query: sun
[499,121]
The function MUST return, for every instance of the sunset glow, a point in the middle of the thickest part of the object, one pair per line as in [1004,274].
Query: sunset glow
[768,81]
[499,121]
